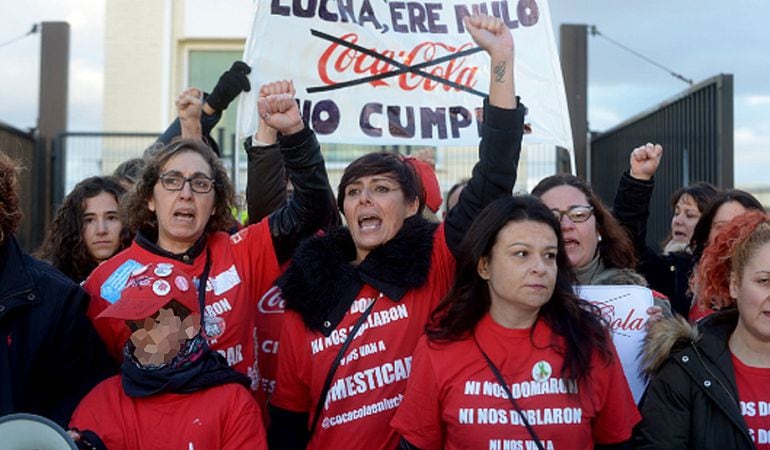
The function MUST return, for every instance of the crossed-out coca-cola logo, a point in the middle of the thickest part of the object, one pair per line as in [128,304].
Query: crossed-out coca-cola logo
[338,60]
[271,302]
[606,310]
[630,322]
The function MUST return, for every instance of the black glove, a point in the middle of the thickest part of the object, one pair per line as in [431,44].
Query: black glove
[230,84]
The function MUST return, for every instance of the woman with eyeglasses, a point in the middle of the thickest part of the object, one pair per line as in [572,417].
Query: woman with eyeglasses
[180,209]
[597,246]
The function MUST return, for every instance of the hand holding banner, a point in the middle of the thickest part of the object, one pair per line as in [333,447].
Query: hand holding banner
[390,73]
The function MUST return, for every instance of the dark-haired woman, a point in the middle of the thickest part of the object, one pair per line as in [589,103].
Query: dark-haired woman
[598,248]
[596,245]
[385,271]
[513,359]
[87,229]
[668,271]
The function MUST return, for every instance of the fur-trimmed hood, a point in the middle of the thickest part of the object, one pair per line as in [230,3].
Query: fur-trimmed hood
[672,334]
[665,337]
[321,283]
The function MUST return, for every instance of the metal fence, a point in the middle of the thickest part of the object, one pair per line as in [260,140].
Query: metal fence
[696,131]
[22,147]
[80,155]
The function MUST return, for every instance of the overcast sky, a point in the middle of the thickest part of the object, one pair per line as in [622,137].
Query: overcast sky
[697,38]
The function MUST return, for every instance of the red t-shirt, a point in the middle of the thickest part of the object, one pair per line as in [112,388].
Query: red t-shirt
[697,313]
[753,384]
[454,401]
[221,417]
[243,267]
[369,383]
[269,324]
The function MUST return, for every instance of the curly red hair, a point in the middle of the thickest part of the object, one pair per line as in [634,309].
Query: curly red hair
[729,254]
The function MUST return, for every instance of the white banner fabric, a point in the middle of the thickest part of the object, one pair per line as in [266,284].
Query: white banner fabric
[354,63]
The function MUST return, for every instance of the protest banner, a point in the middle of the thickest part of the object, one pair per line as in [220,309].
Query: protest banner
[625,309]
[401,73]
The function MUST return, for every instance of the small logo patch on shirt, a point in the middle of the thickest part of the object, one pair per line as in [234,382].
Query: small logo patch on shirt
[114,284]
[541,371]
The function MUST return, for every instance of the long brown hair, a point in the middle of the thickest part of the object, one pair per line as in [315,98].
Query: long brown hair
[616,248]
[570,317]
[64,246]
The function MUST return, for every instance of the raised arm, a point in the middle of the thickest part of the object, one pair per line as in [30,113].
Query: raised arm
[632,209]
[266,185]
[230,84]
[312,201]
[189,106]
[502,130]
[632,200]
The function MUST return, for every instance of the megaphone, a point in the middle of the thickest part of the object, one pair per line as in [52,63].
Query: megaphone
[22,431]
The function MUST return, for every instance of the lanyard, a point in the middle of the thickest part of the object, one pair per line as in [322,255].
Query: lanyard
[336,363]
[502,382]
[202,282]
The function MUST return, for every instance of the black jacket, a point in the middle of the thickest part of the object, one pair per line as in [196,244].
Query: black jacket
[668,274]
[692,400]
[50,355]
[267,182]
[311,206]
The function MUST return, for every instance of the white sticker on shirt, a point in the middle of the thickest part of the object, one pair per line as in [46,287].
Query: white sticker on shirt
[225,281]
[116,282]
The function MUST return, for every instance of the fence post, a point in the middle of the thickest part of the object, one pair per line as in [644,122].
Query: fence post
[573,46]
[725,139]
[52,115]
[59,169]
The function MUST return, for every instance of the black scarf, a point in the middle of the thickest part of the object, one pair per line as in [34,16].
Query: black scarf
[321,283]
[196,367]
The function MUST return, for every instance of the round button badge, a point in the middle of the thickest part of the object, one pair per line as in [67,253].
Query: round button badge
[163,269]
[181,283]
[161,287]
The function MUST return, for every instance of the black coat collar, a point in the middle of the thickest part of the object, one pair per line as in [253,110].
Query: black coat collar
[147,238]
[321,282]
[713,347]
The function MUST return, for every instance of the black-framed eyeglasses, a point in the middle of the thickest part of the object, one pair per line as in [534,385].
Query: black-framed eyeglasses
[577,214]
[200,184]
